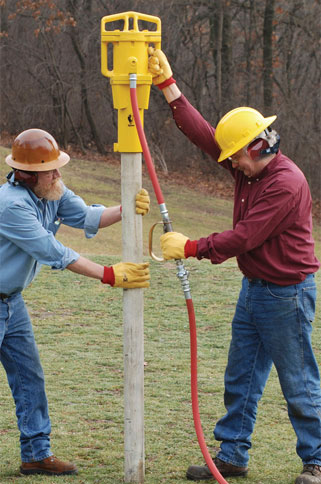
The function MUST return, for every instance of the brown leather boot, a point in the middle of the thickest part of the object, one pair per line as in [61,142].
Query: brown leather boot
[202,473]
[311,474]
[50,466]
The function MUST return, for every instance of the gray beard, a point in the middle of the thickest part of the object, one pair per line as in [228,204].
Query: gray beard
[52,192]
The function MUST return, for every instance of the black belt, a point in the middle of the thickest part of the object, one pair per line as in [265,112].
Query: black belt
[3,296]
[255,280]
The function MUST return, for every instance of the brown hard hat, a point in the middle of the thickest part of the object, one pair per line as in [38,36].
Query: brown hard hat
[36,150]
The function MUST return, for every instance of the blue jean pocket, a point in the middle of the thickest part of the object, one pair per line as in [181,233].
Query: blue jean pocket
[309,298]
[282,292]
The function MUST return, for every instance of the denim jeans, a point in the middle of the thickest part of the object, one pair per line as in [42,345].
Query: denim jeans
[271,325]
[20,358]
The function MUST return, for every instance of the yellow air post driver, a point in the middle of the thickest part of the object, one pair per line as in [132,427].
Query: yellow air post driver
[129,47]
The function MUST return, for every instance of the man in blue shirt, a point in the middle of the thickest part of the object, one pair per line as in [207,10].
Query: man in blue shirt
[33,204]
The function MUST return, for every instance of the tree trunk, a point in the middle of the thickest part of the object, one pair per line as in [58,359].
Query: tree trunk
[268,54]
[85,8]
[227,51]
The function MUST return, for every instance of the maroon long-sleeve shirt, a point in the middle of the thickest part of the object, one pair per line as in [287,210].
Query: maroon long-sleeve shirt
[272,221]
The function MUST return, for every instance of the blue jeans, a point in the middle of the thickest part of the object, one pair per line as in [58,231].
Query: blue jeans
[272,324]
[20,358]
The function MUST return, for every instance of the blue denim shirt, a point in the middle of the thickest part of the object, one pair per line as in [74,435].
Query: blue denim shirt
[27,233]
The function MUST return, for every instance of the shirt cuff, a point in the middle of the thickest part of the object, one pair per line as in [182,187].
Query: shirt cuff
[69,257]
[92,220]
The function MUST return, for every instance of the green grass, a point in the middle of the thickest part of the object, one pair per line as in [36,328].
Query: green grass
[78,326]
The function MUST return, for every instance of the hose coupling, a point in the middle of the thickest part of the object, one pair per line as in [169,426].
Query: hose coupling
[182,275]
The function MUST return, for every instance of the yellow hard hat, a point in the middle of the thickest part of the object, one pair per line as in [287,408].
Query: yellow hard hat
[237,128]
[36,150]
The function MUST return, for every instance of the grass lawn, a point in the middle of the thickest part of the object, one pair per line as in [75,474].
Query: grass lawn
[78,326]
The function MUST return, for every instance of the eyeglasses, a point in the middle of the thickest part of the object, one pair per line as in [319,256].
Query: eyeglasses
[236,156]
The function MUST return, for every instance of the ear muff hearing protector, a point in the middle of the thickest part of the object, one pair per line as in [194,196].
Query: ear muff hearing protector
[266,143]
[254,149]
[29,178]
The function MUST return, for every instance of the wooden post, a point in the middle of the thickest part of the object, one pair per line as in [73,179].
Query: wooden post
[133,307]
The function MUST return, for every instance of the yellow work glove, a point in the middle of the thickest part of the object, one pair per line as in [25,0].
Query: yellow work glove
[127,275]
[159,67]
[173,245]
[142,202]
[177,246]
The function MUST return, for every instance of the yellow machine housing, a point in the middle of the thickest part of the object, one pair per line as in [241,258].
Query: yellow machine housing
[129,56]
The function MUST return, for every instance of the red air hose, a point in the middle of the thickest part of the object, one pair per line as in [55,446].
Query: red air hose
[188,298]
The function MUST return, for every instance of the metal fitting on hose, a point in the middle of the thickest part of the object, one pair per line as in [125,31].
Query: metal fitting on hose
[182,275]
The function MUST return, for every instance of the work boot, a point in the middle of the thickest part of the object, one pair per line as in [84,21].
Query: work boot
[311,474]
[50,466]
[202,473]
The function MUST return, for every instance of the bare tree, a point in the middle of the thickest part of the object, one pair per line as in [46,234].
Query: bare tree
[268,53]
[223,54]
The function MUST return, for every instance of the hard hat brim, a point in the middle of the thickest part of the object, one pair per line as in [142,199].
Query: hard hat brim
[245,141]
[62,160]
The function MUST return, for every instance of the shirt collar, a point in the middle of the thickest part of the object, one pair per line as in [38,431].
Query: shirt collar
[11,180]
[269,167]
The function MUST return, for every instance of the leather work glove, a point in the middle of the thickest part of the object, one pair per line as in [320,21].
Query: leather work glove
[159,68]
[177,246]
[127,275]
[142,202]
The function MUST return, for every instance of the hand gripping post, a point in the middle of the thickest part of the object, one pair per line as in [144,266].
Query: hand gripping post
[182,274]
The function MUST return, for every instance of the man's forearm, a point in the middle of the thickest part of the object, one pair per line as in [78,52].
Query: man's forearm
[87,268]
[110,216]
[171,93]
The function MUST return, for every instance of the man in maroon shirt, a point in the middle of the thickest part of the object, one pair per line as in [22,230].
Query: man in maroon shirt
[272,241]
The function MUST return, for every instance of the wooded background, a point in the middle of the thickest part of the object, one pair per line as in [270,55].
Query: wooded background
[224,54]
